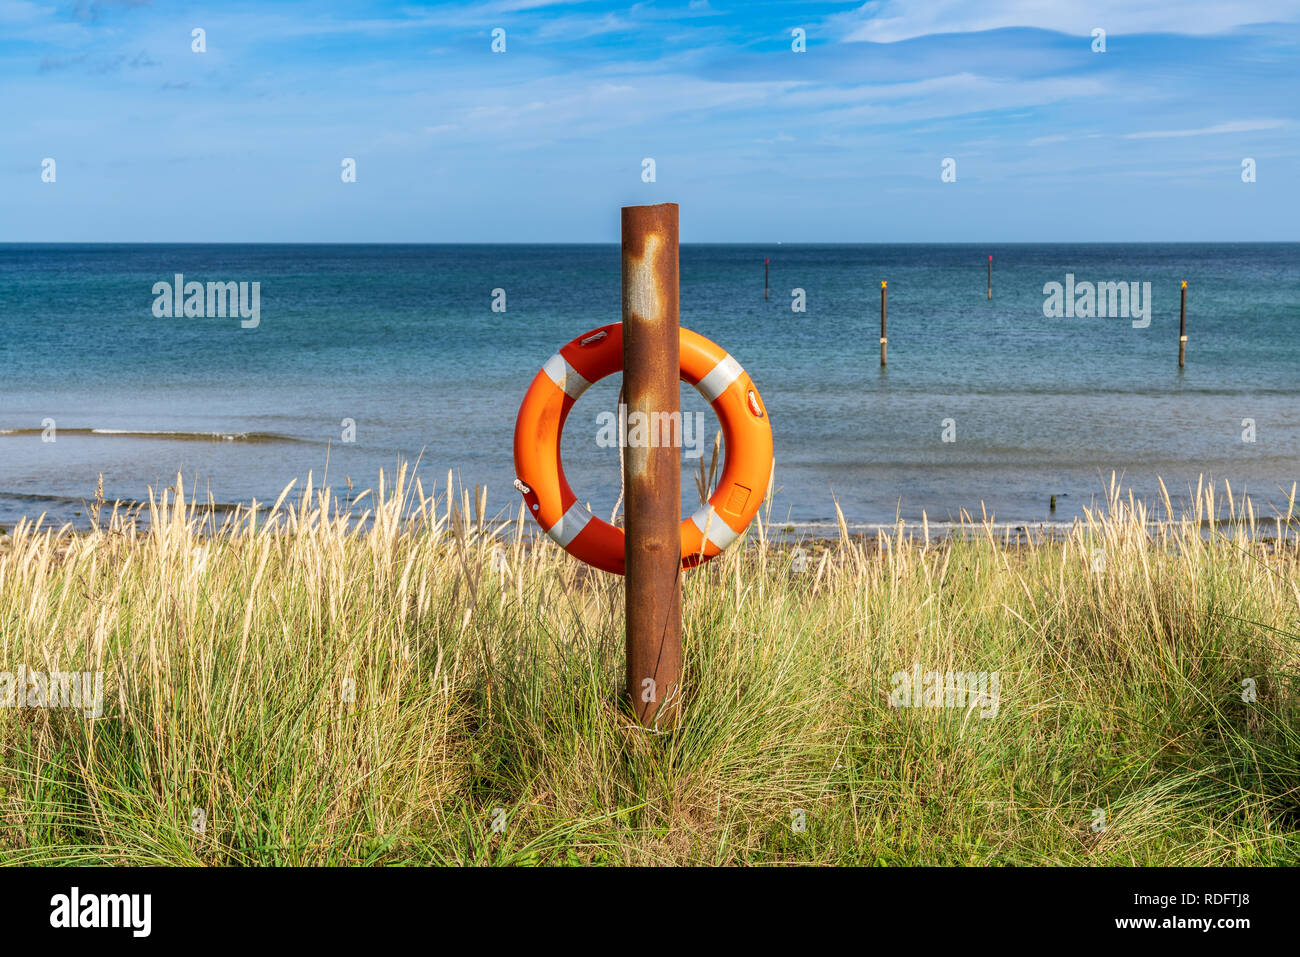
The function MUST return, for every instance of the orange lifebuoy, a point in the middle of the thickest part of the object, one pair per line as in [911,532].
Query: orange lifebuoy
[595,355]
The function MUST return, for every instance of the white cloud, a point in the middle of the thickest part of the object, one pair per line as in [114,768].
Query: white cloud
[960,94]
[515,6]
[888,21]
[579,28]
[20,11]
[1236,126]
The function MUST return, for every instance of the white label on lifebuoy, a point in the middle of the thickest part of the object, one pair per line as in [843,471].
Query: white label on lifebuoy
[570,524]
[720,376]
[714,528]
[565,376]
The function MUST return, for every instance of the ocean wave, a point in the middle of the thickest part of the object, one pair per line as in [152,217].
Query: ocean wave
[167,435]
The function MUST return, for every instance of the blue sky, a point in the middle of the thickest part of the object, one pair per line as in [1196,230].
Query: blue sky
[543,143]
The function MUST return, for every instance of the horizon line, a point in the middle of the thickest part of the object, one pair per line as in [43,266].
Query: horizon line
[615,243]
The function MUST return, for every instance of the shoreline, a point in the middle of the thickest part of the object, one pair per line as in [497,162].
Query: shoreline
[1266,530]
[1207,507]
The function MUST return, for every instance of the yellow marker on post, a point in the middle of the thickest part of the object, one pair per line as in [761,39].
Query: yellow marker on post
[883,340]
[1182,327]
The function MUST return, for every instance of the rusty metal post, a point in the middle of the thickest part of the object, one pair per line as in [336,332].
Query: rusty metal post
[1182,328]
[765,262]
[884,341]
[990,277]
[652,475]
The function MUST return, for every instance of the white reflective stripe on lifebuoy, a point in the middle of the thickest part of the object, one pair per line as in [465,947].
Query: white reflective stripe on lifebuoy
[714,528]
[727,371]
[565,376]
[570,524]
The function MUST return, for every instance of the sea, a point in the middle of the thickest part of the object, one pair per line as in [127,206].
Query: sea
[363,357]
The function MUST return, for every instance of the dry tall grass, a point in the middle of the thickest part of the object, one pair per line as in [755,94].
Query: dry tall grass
[329,692]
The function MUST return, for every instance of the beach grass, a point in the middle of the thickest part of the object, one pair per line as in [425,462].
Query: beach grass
[431,686]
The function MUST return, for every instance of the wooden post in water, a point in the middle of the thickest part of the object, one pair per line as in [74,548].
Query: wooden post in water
[990,277]
[1182,328]
[652,475]
[884,341]
[765,262]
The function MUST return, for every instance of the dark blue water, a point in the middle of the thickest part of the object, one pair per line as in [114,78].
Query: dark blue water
[403,341]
